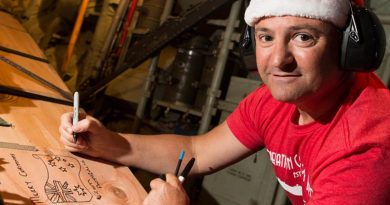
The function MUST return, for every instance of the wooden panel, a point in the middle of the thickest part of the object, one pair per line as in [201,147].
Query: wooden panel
[13,36]
[9,21]
[49,175]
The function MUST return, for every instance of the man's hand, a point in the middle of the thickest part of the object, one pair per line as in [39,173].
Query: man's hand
[167,192]
[93,138]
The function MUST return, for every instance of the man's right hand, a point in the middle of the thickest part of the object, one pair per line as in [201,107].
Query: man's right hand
[93,138]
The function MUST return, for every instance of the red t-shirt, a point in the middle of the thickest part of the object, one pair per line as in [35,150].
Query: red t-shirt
[343,161]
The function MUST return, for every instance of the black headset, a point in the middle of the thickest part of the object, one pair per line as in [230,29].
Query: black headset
[362,48]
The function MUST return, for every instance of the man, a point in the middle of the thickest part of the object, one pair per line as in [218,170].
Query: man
[326,129]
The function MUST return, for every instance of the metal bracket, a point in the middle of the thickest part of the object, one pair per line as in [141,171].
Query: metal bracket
[34,76]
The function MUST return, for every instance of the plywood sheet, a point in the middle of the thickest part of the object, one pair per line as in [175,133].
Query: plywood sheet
[13,36]
[50,174]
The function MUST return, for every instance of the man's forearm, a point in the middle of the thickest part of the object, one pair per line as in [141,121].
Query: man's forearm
[159,153]
[154,153]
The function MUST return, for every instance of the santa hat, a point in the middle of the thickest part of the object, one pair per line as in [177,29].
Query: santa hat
[333,11]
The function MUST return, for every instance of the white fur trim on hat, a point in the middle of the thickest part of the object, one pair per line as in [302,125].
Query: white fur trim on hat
[334,11]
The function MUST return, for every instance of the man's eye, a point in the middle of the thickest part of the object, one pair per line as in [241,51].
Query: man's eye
[304,39]
[265,38]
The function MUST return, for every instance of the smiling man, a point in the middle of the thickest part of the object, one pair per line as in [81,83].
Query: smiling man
[326,128]
[330,124]
[298,61]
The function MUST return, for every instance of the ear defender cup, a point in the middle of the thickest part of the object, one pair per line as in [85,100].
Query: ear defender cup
[248,48]
[364,42]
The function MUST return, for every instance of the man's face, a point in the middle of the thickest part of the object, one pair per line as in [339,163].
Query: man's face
[297,58]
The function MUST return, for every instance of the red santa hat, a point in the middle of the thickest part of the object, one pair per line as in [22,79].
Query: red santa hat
[333,11]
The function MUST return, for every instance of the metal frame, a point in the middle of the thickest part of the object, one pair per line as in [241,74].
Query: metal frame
[213,92]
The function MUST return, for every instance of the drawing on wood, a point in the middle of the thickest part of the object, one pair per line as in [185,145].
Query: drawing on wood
[61,189]
[48,174]
[54,177]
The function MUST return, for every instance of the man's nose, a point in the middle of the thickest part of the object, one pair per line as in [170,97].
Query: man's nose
[282,57]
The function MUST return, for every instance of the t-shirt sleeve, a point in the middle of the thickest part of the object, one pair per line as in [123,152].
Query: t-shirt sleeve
[244,120]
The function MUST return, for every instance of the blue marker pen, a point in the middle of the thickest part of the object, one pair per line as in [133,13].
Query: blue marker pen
[179,163]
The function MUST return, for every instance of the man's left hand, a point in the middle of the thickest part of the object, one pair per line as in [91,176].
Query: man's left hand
[166,192]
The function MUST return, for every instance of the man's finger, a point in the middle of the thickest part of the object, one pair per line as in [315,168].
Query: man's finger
[80,145]
[66,118]
[65,134]
[173,180]
[156,183]
[82,126]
